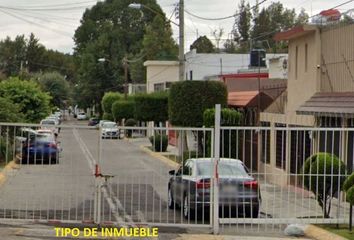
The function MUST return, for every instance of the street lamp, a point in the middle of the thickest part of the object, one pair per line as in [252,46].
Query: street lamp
[181,31]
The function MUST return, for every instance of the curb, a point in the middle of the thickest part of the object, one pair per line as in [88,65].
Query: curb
[318,233]
[3,174]
[160,157]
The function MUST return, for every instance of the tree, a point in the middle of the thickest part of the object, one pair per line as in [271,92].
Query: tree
[242,25]
[12,55]
[34,54]
[324,175]
[32,102]
[10,112]
[302,18]
[111,30]
[203,45]
[55,84]
[218,33]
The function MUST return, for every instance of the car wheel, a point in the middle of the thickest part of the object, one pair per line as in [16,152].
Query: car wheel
[188,213]
[170,201]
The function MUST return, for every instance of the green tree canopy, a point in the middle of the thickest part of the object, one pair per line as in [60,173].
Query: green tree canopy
[243,25]
[112,30]
[32,102]
[203,45]
[123,109]
[10,112]
[55,84]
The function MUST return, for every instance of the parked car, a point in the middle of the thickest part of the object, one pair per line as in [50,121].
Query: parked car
[109,130]
[81,116]
[40,148]
[189,187]
[93,121]
[51,124]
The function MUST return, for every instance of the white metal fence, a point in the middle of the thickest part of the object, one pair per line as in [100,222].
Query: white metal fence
[126,178]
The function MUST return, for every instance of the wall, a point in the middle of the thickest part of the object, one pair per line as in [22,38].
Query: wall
[160,72]
[204,65]
[303,82]
[337,73]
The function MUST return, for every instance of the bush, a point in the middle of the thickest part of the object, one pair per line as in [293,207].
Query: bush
[130,123]
[6,154]
[108,99]
[323,172]
[159,142]
[348,187]
[32,102]
[123,109]
[152,107]
[107,116]
[228,138]
[189,99]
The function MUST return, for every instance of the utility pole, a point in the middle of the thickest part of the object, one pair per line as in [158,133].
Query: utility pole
[181,40]
[125,64]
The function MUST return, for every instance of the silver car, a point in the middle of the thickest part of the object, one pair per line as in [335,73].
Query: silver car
[189,188]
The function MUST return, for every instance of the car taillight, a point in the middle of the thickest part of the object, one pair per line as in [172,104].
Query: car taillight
[251,184]
[203,184]
[53,145]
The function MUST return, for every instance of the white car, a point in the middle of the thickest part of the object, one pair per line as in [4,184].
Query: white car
[81,116]
[109,130]
[50,124]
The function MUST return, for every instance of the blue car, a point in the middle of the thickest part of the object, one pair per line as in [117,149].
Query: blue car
[40,148]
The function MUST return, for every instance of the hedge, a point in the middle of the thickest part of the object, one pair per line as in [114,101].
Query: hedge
[151,107]
[228,138]
[189,99]
[107,116]
[123,109]
[159,142]
[108,99]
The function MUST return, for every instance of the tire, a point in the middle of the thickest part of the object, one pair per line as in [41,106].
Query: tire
[188,213]
[170,201]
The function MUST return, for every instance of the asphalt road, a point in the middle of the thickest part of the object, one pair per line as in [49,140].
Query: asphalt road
[134,192]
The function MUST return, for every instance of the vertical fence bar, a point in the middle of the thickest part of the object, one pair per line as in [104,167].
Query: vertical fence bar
[216,161]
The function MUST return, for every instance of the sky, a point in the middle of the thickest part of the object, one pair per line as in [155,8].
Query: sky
[56,25]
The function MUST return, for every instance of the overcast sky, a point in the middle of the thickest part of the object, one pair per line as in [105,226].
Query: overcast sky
[55,27]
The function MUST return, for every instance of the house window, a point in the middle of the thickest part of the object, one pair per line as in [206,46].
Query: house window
[190,75]
[296,59]
[306,56]
[158,87]
[168,85]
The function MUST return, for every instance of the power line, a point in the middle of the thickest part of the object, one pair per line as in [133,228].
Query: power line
[54,5]
[222,18]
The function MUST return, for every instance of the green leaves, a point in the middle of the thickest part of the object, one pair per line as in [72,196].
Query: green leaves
[108,99]
[152,107]
[189,99]
[203,45]
[31,101]
[123,109]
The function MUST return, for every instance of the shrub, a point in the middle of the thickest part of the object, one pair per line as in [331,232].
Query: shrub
[348,187]
[323,172]
[189,99]
[130,123]
[123,109]
[107,116]
[108,99]
[159,142]
[152,107]
[228,138]
[6,154]
[32,102]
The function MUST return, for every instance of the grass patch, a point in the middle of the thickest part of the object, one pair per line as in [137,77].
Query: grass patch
[342,230]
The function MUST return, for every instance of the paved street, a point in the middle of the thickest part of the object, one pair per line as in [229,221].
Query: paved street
[135,190]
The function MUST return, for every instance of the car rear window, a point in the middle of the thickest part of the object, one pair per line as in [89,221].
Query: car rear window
[109,125]
[42,138]
[227,168]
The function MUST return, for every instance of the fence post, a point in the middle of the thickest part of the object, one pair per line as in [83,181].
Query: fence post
[98,182]
[216,176]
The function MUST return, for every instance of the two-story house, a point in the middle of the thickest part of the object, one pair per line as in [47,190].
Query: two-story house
[320,93]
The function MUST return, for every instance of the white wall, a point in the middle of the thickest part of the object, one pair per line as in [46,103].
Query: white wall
[210,64]
[160,72]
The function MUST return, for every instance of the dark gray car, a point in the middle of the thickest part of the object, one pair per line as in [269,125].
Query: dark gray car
[189,188]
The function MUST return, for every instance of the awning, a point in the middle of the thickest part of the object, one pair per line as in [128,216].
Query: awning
[248,99]
[329,104]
